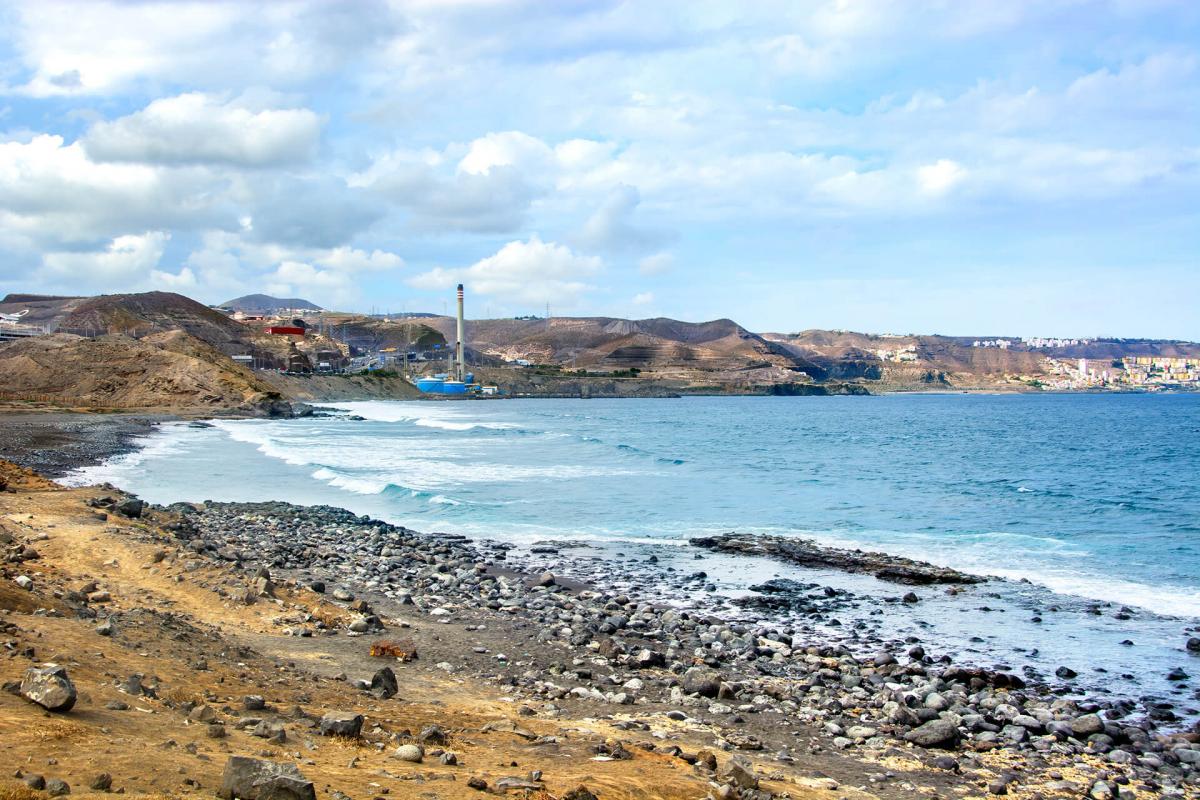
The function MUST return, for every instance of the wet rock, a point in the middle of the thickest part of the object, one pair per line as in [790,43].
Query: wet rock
[341,723]
[808,553]
[1087,725]
[1193,644]
[1066,673]
[545,579]
[937,733]
[253,779]
[49,687]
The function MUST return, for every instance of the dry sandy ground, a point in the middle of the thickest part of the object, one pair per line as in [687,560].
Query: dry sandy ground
[167,622]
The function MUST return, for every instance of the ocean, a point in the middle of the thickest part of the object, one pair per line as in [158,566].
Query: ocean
[1082,503]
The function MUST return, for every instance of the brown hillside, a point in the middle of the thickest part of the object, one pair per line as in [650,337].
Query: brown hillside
[171,369]
[609,343]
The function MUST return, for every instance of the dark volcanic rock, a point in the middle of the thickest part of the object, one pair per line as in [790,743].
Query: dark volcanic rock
[131,508]
[252,779]
[807,553]
[383,684]
[338,723]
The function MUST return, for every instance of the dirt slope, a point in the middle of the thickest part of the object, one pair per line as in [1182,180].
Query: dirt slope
[163,370]
[201,641]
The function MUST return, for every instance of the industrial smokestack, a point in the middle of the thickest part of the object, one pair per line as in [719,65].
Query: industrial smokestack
[460,370]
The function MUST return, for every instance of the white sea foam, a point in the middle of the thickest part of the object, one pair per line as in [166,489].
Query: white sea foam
[168,439]
[423,414]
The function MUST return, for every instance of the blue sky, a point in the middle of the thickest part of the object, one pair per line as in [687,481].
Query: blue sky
[955,166]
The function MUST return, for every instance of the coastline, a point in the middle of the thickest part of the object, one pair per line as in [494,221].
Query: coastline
[54,442]
[445,580]
[642,699]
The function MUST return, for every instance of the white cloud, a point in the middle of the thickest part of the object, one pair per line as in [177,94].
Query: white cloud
[506,149]
[348,259]
[941,176]
[179,281]
[131,257]
[197,128]
[532,271]
[656,264]
[643,298]
[326,288]
[495,199]
[611,227]
[51,193]
[88,47]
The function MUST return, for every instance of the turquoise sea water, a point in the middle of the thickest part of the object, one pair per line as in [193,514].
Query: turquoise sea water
[1085,503]
[1092,495]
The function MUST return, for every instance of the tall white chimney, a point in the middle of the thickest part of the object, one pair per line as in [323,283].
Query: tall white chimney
[460,370]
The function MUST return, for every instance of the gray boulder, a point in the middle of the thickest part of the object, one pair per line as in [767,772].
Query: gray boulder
[49,687]
[1087,725]
[341,723]
[704,682]
[740,773]
[935,733]
[252,779]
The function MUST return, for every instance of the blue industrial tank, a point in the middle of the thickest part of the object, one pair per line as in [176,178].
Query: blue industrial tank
[431,385]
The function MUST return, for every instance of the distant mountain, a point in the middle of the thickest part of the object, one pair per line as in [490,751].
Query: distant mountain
[265,302]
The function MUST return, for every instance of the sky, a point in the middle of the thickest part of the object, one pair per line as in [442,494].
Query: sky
[967,167]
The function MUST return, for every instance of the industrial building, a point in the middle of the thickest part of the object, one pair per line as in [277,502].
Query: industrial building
[457,381]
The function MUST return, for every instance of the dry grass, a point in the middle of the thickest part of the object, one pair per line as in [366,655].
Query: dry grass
[18,791]
[56,731]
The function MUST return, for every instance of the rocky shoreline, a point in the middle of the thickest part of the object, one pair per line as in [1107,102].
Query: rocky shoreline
[765,687]
[807,553]
[56,442]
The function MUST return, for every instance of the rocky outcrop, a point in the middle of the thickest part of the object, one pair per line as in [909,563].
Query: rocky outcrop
[807,553]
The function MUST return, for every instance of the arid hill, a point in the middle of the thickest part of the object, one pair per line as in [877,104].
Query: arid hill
[265,302]
[606,343]
[171,369]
